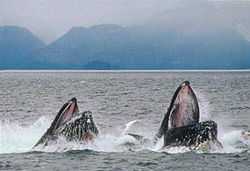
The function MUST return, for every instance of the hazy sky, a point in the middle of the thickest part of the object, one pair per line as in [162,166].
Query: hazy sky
[50,19]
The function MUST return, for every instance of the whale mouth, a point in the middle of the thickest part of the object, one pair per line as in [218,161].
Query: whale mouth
[181,126]
[66,113]
[80,128]
[184,109]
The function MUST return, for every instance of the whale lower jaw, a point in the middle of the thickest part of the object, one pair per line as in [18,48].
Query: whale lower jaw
[80,128]
[191,135]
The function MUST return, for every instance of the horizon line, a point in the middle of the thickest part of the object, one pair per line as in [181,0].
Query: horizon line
[118,71]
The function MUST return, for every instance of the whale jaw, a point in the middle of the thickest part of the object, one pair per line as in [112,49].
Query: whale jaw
[66,113]
[71,125]
[80,128]
[184,110]
[180,125]
[191,135]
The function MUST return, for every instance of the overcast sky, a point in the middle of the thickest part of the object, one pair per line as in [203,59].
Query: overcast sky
[50,19]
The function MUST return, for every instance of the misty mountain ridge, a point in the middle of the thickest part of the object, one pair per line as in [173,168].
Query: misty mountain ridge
[110,46]
[16,45]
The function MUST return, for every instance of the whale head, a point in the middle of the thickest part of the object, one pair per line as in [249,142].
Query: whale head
[182,111]
[184,108]
[71,124]
[66,113]
[81,128]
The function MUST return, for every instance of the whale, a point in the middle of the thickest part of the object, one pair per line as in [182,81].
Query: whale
[70,124]
[181,124]
[182,111]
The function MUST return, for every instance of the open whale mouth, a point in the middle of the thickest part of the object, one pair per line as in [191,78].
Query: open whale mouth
[66,113]
[181,125]
[184,109]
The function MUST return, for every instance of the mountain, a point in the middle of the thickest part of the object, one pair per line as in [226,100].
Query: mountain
[108,46]
[147,47]
[81,46]
[16,46]
[190,34]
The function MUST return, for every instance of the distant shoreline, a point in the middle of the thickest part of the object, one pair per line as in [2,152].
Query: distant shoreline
[119,71]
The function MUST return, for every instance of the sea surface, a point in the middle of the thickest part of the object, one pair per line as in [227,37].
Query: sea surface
[121,102]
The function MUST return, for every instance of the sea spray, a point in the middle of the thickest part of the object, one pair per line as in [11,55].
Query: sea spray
[128,126]
[16,138]
[204,106]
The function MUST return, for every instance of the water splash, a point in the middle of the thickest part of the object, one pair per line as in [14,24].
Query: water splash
[128,126]
[15,138]
[204,107]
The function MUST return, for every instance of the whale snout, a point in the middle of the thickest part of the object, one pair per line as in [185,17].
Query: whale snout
[74,100]
[185,83]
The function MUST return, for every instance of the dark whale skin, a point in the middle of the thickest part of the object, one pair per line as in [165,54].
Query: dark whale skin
[191,134]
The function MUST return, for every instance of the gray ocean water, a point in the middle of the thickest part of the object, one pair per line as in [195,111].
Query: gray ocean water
[30,100]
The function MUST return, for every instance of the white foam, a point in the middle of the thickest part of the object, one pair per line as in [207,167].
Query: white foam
[128,126]
[15,138]
[18,139]
[204,107]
